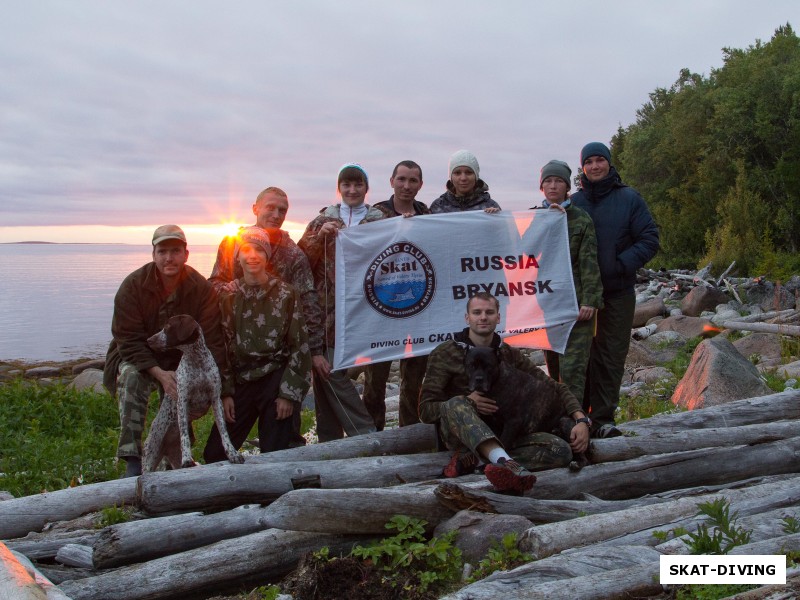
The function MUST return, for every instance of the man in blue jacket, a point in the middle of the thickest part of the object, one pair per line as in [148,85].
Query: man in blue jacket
[627,237]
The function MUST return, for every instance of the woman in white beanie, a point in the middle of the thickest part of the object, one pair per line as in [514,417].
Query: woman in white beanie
[465,189]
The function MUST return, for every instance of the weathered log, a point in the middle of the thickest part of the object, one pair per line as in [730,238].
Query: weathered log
[628,447]
[137,541]
[653,474]
[763,409]
[363,511]
[776,545]
[261,556]
[31,513]
[725,273]
[792,330]
[20,580]
[44,546]
[764,316]
[585,574]
[413,439]
[549,539]
[75,555]
[764,525]
[227,485]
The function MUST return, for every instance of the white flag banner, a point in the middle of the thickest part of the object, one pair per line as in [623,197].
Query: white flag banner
[402,284]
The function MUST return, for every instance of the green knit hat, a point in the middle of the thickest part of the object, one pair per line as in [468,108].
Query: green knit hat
[556,168]
[595,149]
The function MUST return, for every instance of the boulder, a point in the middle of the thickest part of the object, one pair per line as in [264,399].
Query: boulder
[702,298]
[89,379]
[35,372]
[718,374]
[654,307]
[652,375]
[97,363]
[769,296]
[639,355]
[688,327]
[477,531]
[664,345]
[790,371]
[766,345]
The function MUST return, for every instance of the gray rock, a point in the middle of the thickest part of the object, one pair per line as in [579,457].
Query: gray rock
[790,371]
[90,379]
[652,375]
[97,363]
[766,345]
[687,326]
[43,372]
[654,307]
[702,298]
[718,374]
[477,531]
[726,314]
[769,296]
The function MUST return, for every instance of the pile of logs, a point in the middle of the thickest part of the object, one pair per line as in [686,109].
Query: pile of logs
[222,527]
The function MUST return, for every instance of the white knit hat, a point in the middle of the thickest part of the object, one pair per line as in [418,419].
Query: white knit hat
[464,158]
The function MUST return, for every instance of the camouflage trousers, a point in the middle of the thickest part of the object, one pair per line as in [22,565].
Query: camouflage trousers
[412,372]
[462,429]
[133,394]
[570,368]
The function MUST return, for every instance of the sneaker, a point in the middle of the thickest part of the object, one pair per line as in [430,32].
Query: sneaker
[460,464]
[606,431]
[509,476]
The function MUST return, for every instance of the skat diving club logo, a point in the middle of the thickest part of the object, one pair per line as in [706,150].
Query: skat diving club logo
[400,281]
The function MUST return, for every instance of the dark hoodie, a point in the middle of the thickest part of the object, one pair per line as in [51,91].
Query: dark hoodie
[627,236]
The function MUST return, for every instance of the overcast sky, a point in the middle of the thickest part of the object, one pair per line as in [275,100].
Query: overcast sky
[136,114]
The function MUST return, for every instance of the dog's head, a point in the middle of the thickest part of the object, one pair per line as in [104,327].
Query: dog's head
[482,365]
[180,330]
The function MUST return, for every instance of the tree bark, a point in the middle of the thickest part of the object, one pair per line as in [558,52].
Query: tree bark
[261,556]
[628,447]
[31,513]
[763,409]
[227,485]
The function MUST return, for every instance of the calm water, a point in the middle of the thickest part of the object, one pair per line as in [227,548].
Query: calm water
[56,300]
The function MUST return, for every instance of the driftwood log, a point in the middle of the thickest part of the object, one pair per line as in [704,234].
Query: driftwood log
[780,328]
[412,439]
[653,474]
[267,554]
[20,516]
[137,541]
[228,485]
[764,409]
[21,580]
[628,447]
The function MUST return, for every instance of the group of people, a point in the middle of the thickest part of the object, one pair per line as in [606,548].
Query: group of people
[268,315]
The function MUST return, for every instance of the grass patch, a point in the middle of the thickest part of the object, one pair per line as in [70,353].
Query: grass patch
[54,437]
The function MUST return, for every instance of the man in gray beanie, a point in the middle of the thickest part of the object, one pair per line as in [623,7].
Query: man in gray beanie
[627,238]
[465,189]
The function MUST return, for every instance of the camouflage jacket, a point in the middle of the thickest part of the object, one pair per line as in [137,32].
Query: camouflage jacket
[321,255]
[264,332]
[446,377]
[479,199]
[388,209]
[583,255]
[142,308]
[289,264]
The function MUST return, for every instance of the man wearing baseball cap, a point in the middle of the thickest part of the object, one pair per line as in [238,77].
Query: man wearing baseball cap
[147,298]
[627,237]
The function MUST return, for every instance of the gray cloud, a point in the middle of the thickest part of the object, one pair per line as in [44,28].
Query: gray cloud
[124,114]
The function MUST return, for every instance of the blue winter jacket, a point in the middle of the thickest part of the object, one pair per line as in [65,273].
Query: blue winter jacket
[627,236]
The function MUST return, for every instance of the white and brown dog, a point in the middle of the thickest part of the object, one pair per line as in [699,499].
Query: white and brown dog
[199,387]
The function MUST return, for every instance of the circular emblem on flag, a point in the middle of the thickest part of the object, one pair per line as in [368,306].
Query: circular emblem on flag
[400,281]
